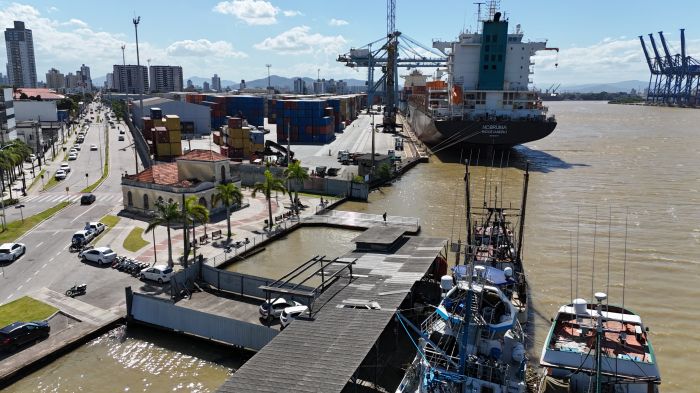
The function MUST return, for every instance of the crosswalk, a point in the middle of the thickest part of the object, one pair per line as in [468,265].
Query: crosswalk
[56,198]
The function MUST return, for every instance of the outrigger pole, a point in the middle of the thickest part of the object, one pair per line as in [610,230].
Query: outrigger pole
[522,209]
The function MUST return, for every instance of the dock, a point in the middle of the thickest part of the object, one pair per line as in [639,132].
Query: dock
[324,352]
[354,220]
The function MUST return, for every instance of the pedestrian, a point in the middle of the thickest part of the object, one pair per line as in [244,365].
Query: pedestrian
[384,216]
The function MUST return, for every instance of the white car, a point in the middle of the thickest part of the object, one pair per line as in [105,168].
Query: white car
[73,150]
[11,251]
[96,227]
[76,146]
[93,147]
[65,168]
[291,313]
[159,273]
[72,156]
[278,305]
[101,255]
[60,174]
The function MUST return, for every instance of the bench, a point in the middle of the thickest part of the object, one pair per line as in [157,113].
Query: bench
[216,234]
[203,239]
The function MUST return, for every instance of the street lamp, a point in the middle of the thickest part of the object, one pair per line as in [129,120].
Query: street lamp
[21,214]
[155,253]
[86,180]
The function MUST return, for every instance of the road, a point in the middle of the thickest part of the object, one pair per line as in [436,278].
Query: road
[48,263]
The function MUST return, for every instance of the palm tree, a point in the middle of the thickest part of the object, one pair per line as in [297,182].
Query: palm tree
[295,172]
[270,184]
[229,195]
[166,215]
[194,213]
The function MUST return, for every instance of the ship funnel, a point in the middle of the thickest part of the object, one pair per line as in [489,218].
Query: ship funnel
[497,17]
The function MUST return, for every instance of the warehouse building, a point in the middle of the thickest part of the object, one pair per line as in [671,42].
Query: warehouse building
[195,119]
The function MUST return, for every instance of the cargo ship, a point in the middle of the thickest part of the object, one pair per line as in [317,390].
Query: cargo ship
[484,97]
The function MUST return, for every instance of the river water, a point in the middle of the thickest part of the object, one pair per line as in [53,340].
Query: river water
[633,169]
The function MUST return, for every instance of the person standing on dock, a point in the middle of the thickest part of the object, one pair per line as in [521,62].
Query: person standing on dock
[384,217]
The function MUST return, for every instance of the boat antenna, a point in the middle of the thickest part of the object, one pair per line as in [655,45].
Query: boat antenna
[486,173]
[454,209]
[624,267]
[500,182]
[478,15]
[571,265]
[595,233]
[607,289]
[578,229]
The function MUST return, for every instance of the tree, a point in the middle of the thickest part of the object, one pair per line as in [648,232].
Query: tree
[166,215]
[194,213]
[23,96]
[229,195]
[270,184]
[295,172]
[384,171]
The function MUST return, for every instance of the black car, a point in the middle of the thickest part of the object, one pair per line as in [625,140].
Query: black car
[87,199]
[19,333]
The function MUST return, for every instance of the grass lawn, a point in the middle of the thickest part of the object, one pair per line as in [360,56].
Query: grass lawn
[18,228]
[134,241]
[110,221]
[24,309]
[51,183]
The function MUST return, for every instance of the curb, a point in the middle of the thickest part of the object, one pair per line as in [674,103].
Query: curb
[42,221]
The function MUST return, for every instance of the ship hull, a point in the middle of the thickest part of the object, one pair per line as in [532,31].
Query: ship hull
[498,133]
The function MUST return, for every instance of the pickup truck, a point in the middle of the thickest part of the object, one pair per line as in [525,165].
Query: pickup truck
[95,227]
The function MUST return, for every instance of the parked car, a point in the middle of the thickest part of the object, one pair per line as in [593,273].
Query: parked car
[87,199]
[65,167]
[291,313]
[101,255]
[30,158]
[121,138]
[60,174]
[121,132]
[12,251]
[159,273]
[95,226]
[277,306]
[93,147]
[82,237]
[72,156]
[73,150]
[17,334]
[76,146]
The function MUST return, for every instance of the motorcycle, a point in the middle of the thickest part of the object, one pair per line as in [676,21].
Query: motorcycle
[77,290]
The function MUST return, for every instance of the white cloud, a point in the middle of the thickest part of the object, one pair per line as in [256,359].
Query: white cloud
[76,22]
[202,47]
[51,9]
[252,12]
[298,40]
[338,22]
[292,13]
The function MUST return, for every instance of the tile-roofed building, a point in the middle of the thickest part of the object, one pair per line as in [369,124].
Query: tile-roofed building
[196,173]
[46,94]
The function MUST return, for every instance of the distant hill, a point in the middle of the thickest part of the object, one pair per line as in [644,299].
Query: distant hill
[615,87]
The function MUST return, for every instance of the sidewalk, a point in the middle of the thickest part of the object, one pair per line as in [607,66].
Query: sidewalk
[247,223]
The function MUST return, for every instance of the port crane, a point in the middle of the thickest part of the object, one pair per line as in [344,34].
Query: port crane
[395,50]
[675,79]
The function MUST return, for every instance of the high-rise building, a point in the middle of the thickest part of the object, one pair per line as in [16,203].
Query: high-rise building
[55,79]
[190,85]
[205,86]
[299,86]
[242,86]
[21,65]
[8,124]
[216,82]
[320,86]
[109,82]
[85,78]
[130,79]
[72,81]
[165,79]
[341,87]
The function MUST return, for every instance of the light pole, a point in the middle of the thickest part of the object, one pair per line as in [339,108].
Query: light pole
[269,85]
[126,89]
[138,63]
[21,214]
[86,180]
[155,253]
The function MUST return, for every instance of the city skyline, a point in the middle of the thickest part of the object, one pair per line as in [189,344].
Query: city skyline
[295,37]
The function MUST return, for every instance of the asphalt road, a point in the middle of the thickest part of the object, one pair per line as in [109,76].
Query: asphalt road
[48,263]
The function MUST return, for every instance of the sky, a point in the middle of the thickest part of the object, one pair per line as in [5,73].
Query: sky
[235,39]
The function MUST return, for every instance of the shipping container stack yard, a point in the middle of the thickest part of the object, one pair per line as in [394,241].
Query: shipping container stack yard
[238,140]
[250,108]
[304,121]
[164,134]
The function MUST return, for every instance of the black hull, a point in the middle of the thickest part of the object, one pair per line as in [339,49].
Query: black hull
[479,133]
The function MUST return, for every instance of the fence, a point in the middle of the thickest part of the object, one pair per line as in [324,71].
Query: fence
[241,284]
[164,313]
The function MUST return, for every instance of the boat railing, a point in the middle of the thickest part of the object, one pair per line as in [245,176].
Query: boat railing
[487,370]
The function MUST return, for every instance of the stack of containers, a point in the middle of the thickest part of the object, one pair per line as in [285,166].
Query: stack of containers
[147,125]
[251,108]
[334,103]
[305,121]
[239,140]
[217,113]
[166,133]
[272,111]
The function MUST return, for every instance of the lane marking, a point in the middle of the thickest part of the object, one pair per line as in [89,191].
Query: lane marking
[10,297]
[56,232]
[20,288]
[44,267]
[29,279]
[78,216]
[51,259]
[39,245]
[36,272]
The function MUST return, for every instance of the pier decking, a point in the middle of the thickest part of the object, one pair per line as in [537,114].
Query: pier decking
[323,352]
[354,220]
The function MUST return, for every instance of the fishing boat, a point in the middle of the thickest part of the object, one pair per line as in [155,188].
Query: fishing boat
[472,342]
[598,348]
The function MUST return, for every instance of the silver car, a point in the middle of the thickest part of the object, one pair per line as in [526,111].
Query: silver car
[11,251]
[101,255]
